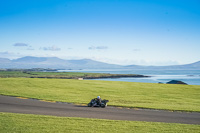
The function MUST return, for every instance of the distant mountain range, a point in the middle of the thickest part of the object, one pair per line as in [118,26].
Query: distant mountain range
[29,62]
[54,63]
[192,66]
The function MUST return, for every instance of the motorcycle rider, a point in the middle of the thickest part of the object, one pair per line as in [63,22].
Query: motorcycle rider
[98,100]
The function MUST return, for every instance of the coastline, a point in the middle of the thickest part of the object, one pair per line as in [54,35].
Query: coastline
[96,77]
[65,75]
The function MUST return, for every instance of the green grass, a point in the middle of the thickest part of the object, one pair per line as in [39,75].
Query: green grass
[20,123]
[5,74]
[67,75]
[126,94]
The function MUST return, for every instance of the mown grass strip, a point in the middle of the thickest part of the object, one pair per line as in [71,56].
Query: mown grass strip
[19,123]
[123,94]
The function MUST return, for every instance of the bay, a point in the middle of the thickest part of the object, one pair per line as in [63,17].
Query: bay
[191,77]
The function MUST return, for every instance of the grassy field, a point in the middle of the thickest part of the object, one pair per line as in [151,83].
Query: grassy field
[67,75]
[126,94]
[20,123]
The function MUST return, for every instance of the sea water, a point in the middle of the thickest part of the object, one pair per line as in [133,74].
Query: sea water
[191,77]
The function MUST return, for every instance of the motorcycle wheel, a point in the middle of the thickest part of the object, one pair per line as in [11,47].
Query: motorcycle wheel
[89,105]
[103,105]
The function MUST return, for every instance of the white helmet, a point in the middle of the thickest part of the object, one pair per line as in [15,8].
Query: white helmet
[98,97]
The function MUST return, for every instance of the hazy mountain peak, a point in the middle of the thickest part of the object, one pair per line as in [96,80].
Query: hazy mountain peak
[4,60]
[30,59]
[196,63]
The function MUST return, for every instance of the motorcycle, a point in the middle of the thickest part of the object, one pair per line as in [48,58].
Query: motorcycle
[93,103]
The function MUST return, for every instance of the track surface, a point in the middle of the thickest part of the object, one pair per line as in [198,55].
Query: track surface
[31,106]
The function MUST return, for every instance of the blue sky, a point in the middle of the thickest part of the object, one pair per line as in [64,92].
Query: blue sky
[143,32]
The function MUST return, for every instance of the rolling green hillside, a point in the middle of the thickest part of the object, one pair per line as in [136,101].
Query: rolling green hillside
[125,94]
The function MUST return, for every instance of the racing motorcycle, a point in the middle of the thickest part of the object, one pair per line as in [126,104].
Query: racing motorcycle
[93,103]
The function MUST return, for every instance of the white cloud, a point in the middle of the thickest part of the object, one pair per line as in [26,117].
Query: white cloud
[30,48]
[98,48]
[20,45]
[136,50]
[52,48]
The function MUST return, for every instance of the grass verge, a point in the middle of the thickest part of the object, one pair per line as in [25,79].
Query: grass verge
[125,94]
[10,122]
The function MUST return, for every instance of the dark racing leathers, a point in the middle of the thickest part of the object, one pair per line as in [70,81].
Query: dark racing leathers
[98,101]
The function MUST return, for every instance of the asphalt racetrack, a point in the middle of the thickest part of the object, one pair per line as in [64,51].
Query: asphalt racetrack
[31,106]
